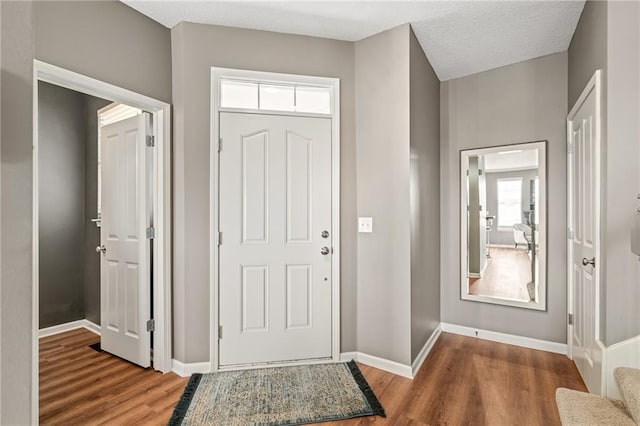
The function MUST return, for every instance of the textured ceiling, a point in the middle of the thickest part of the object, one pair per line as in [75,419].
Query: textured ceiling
[459,38]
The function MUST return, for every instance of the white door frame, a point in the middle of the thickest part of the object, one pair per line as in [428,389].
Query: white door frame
[161,206]
[593,85]
[257,76]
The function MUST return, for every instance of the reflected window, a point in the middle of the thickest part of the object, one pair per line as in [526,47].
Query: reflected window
[509,202]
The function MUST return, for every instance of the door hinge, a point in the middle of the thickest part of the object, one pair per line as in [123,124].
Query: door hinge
[570,148]
[151,325]
[219,332]
[151,233]
[570,234]
[219,238]
[570,319]
[151,140]
[479,172]
[219,144]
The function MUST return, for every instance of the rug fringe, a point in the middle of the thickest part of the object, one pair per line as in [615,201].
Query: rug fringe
[182,407]
[375,405]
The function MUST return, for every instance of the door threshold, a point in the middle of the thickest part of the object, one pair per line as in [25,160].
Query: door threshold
[273,364]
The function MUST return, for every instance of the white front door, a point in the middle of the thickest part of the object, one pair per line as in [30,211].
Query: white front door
[124,266]
[275,251]
[584,225]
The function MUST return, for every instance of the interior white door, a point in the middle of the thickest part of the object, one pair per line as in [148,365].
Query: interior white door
[584,226]
[275,251]
[124,266]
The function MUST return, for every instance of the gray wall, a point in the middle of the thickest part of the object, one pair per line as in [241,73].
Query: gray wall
[588,49]
[608,38]
[424,186]
[91,232]
[197,48]
[383,132]
[61,149]
[16,177]
[104,40]
[506,237]
[517,103]
[621,269]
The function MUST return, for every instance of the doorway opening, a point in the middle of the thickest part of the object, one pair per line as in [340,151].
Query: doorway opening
[275,219]
[101,216]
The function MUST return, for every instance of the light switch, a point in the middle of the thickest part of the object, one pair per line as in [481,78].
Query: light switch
[365,224]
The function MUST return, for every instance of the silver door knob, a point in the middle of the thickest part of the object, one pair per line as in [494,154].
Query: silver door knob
[324,251]
[591,261]
[325,234]
[101,249]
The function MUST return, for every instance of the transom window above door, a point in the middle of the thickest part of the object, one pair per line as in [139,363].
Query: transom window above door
[267,96]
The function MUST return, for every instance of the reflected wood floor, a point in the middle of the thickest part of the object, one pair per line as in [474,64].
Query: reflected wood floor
[507,273]
[464,381]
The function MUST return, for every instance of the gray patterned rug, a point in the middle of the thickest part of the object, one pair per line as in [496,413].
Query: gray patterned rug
[277,396]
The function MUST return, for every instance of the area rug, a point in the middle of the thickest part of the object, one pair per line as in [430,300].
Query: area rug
[277,396]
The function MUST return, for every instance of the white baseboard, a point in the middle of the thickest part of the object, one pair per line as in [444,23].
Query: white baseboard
[380,363]
[417,363]
[623,354]
[187,369]
[511,339]
[68,326]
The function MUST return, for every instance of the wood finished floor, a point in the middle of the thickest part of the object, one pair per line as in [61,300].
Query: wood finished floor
[507,273]
[464,381]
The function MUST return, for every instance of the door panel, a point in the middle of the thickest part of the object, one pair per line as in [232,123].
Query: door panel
[586,351]
[275,201]
[125,280]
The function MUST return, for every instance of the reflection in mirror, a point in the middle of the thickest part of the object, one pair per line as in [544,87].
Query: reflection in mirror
[503,225]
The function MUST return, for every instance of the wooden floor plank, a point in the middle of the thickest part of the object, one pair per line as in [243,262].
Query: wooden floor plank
[464,381]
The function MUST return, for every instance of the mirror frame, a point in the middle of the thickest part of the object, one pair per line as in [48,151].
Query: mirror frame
[541,303]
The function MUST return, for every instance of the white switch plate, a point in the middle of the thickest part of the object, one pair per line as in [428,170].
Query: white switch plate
[365,224]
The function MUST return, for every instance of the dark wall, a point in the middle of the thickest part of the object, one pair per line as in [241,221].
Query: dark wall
[68,183]
[61,140]
[91,232]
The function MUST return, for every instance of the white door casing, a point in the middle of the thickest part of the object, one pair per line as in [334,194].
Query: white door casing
[124,266]
[583,127]
[275,204]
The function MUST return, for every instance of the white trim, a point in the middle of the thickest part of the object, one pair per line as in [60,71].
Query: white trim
[594,84]
[379,363]
[510,339]
[68,326]
[509,169]
[314,361]
[622,354]
[426,349]
[541,304]
[334,84]
[162,207]
[187,369]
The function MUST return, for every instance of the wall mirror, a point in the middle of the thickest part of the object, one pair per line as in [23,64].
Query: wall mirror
[503,225]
